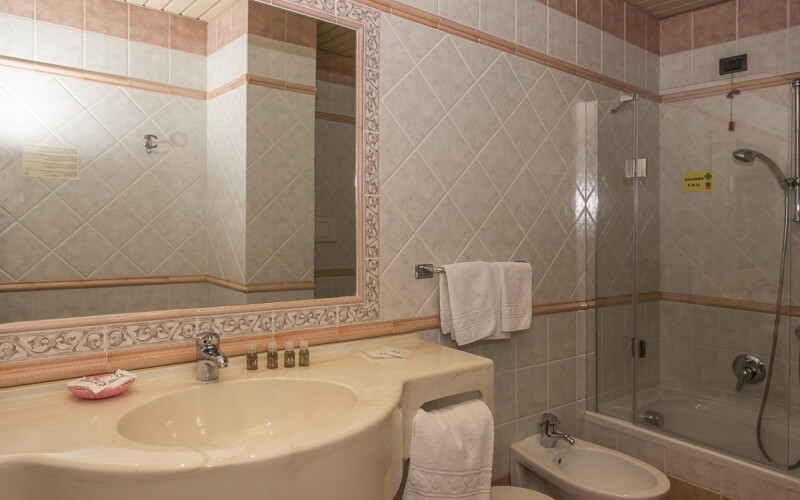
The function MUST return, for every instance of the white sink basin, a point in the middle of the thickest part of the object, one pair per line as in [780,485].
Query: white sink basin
[586,471]
[221,415]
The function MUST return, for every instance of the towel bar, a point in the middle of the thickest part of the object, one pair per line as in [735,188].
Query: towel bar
[422,271]
[426,271]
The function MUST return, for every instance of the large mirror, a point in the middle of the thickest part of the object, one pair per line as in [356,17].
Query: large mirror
[120,199]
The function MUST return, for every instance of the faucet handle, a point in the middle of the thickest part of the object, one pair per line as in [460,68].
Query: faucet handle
[550,420]
[207,339]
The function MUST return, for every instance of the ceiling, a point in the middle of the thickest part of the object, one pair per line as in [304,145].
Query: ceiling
[667,8]
[205,10]
[336,39]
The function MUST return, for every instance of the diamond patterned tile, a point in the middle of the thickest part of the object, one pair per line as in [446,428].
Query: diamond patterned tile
[445,232]
[525,129]
[547,100]
[501,161]
[417,39]
[416,121]
[85,130]
[51,221]
[19,250]
[414,190]
[475,119]
[118,113]
[85,250]
[19,194]
[117,168]
[117,222]
[45,98]
[445,152]
[446,73]
[475,195]
[501,87]
[176,223]
[51,267]
[147,197]
[147,250]
[85,196]
[500,235]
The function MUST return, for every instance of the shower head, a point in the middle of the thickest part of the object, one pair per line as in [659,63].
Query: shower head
[750,155]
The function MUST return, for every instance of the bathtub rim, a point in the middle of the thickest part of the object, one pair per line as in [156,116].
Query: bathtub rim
[779,478]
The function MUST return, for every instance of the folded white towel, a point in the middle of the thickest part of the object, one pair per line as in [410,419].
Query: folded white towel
[451,453]
[515,296]
[469,301]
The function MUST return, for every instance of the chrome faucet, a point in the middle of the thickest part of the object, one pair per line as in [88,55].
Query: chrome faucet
[209,359]
[550,432]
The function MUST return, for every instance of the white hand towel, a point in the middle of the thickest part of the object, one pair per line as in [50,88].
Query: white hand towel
[451,453]
[515,295]
[469,301]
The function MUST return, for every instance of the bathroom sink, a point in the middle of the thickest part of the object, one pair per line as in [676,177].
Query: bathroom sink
[222,415]
[586,471]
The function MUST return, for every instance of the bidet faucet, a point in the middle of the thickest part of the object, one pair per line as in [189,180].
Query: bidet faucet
[209,359]
[550,432]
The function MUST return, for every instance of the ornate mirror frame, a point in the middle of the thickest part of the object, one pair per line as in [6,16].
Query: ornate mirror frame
[95,344]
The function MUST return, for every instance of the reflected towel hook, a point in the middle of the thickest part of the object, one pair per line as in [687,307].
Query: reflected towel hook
[150,142]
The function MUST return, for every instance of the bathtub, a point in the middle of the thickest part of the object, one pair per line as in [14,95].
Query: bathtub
[717,425]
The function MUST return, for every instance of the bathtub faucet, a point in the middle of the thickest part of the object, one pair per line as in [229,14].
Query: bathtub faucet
[209,359]
[550,432]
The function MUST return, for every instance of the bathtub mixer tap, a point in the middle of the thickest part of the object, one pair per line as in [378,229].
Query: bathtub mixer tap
[749,369]
[209,359]
[550,432]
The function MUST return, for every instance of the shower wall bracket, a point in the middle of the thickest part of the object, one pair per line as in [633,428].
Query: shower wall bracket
[636,169]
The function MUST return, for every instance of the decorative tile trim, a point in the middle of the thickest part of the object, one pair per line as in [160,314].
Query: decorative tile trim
[155,280]
[754,84]
[93,76]
[336,118]
[142,334]
[52,344]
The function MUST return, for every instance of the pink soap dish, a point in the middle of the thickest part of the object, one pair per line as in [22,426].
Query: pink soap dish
[102,386]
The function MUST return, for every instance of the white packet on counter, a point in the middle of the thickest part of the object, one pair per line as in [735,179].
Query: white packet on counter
[100,383]
[388,352]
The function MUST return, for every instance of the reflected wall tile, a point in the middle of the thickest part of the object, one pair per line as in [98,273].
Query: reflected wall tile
[676,71]
[58,45]
[16,37]
[106,54]
[68,13]
[148,62]
[767,52]
[20,8]
[149,26]
[107,17]
[187,35]
[694,469]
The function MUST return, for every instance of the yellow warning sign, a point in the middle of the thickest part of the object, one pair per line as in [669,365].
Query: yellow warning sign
[698,181]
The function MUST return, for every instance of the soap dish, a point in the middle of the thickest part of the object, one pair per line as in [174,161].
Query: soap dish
[102,386]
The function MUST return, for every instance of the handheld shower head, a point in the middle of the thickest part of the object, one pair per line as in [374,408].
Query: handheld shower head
[750,155]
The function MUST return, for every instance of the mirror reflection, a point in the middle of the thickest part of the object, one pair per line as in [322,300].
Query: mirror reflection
[124,198]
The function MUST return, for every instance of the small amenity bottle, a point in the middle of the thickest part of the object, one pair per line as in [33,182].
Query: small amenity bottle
[252,357]
[272,355]
[288,354]
[305,358]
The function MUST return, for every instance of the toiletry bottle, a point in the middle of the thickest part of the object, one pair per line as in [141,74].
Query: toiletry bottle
[252,357]
[272,355]
[288,354]
[305,358]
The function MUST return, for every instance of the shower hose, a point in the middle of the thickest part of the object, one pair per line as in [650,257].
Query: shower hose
[775,325]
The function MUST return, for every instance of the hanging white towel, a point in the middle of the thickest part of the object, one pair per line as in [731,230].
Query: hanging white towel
[469,301]
[451,453]
[515,296]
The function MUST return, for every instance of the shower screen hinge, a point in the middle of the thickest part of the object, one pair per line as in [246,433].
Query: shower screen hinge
[636,168]
[638,347]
